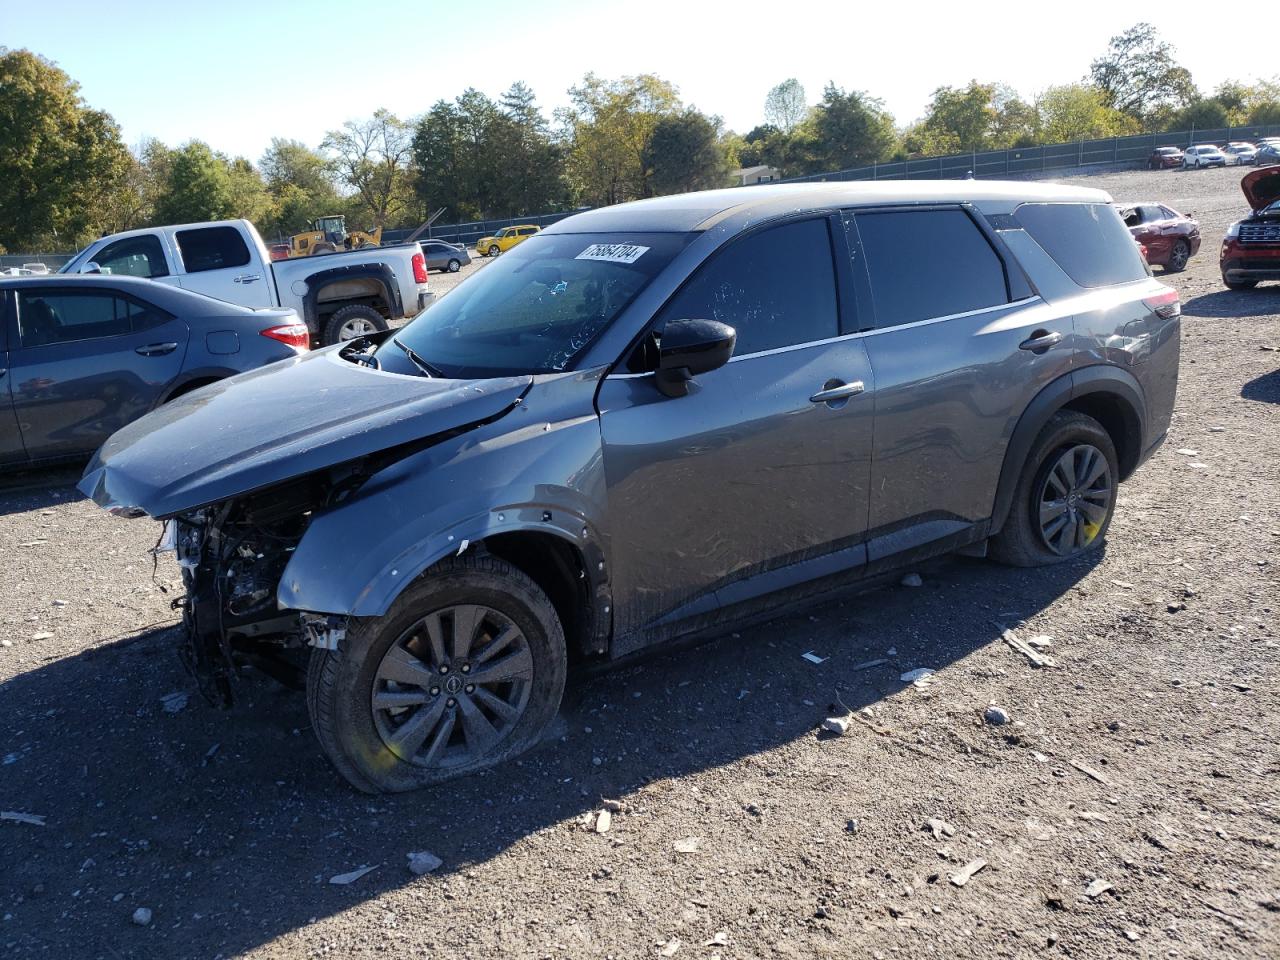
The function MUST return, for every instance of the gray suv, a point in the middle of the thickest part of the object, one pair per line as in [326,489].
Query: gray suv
[647,420]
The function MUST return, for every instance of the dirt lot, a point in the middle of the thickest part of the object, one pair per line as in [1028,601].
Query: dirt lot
[1146,759]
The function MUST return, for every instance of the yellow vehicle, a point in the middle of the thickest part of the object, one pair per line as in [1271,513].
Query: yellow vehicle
[505,239]
[329,235]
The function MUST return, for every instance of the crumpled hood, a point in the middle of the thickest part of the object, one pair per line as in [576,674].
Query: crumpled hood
[282,421]
[1261,187]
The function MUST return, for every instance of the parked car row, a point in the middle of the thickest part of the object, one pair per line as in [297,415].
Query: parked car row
[1237,153]
[533,472]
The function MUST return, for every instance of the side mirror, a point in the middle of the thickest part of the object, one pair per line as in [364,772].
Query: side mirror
[91,267]
[688,348]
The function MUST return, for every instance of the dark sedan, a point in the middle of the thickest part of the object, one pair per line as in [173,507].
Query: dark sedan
[445,257]
[1163,158]
[82,356]
[1169,238]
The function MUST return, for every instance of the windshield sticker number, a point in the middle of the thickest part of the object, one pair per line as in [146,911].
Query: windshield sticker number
[613,252]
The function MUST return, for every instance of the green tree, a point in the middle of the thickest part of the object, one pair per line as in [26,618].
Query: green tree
[59,157]
[1139,74]
[197,187]
[1078,111]
[610,123]
[846,130]
[1201,115]
[685,153]
[373,159]
[299,184]
[785,106]
[531,172]
[964,118]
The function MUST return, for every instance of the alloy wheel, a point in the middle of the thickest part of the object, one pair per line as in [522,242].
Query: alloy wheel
[452,686]
[1179,256]
[356,327]
[1074,499]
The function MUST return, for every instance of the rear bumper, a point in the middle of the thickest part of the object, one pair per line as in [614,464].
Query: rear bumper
[424,299]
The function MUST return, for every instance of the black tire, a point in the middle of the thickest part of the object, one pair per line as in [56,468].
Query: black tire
[493,250]
[1239,284]
[350,317]
[1020,542]
[1178,257]
[453,266]
[323,248]
[341,683]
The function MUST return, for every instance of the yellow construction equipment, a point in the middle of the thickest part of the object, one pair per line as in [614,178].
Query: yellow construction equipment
[329,235]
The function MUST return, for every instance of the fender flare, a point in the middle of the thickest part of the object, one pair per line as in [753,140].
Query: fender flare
[381,272]
[1100,379]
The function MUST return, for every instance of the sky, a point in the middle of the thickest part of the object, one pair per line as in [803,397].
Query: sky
[236,73]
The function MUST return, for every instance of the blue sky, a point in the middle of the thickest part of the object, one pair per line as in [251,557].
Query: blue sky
[223,71]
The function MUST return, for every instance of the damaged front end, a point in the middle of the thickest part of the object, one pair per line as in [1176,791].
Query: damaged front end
[232,556]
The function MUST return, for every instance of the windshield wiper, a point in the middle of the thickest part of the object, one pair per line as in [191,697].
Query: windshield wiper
[421,364]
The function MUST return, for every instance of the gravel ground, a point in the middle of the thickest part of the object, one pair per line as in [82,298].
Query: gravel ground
[1127,809]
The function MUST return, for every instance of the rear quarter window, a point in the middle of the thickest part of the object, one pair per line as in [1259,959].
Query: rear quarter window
[212,248]
[1088,241]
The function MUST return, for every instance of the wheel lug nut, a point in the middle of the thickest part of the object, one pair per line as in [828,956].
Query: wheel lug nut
[435,691]
[466,668]
[451,702]
[471,688]
[444,668]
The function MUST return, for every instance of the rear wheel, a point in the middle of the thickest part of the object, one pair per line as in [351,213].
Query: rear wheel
[1239,284]
[354,320]
[465,670]
[1065,497]
[1178,257]
[454,266]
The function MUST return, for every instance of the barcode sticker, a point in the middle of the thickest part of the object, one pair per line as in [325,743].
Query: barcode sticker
[613,252]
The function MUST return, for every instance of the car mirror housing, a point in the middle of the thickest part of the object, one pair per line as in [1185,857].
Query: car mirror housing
[91,267]
[691,347]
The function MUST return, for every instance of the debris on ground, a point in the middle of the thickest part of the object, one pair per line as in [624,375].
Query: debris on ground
[1097,889]
[670,947]
[174,702]
[42,635]
[423,863]
[940,828]
[837,725]
[604,820]
[343,879]
[814,658]
[996,716]
[688,845]
[852,826]
[970,868]
[920,678]
[721,939]
[1040,641]
[142,916]
[36,820]
[868,664]
[1090,772]
[912,580]
[613,806]
[1036,659]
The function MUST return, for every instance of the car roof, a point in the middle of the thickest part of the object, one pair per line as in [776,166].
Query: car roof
[690,212]
[167,297]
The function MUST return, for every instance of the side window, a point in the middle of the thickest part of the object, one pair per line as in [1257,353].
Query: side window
[929,263]
[1151,214]
[133,257]
[58,316]
[777,288]
[1087,240]
[1132,216]
[212,248]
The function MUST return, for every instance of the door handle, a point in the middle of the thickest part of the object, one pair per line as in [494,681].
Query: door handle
[1040,341]
[841,392]
[246,278]
[156,349]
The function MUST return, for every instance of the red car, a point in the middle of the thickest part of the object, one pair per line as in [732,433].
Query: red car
[1170,238]
[1162,158]
[279,251]
[1251,248]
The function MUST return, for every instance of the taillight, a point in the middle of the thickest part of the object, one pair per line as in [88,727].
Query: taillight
[419,268]
[1166,305]
[295,335]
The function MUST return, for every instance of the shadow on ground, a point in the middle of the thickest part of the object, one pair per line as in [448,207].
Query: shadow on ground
[1259,302]
[1264,389]
[229,824]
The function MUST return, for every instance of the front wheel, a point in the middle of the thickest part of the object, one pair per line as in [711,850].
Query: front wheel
[454,266]
[465,670]
[493,250]
[1065,497]
[1178,257]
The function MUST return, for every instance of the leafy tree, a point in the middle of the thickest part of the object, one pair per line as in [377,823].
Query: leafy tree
[372,158]
[962,117]
[531,163]
[59,157]
[610,123]
[1016,122]
[846,130]
[1139,74]
[1201,115]
[685,153]
[785,106]
[1078,111]
[299,184]
[198,187]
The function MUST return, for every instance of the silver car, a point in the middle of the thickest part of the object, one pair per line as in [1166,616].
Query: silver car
[445,257]
[647,420]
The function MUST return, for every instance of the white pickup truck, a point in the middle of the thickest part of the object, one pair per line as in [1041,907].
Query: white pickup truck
[340,295]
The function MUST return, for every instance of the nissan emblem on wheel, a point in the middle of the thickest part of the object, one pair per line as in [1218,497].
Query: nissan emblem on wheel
[643,422]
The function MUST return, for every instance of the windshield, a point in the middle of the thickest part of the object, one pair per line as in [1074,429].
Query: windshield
[534,309]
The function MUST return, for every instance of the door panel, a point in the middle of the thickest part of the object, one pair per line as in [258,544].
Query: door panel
[218,263]
[11,449]
[743,475]
[70,395]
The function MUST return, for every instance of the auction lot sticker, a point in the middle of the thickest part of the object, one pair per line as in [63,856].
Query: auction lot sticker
[613,252]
